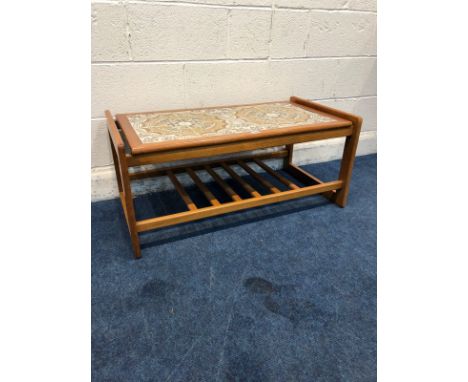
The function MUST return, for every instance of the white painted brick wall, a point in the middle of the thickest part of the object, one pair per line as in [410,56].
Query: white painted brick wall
[136,87]
[162,54]
[289,33]
[109,20]
[341,34]
[162,32]
[248,33]
[364,5]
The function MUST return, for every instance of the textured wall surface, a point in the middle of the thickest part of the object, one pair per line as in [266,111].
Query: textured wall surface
[149,55]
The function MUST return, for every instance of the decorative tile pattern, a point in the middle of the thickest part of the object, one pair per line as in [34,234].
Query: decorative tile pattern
[192,124]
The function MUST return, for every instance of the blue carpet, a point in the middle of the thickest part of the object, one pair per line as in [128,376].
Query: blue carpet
[279,293]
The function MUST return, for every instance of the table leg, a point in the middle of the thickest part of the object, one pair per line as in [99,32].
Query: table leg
[116,164]
[288,159]
[347,162]
[130,212]
[123,181]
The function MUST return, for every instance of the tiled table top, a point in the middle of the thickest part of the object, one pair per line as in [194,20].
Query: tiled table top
[181,129]
[212,122]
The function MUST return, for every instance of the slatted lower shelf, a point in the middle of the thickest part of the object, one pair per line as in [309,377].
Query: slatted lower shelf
[299,183]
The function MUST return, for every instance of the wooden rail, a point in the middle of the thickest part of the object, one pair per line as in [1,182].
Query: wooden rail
[202,213]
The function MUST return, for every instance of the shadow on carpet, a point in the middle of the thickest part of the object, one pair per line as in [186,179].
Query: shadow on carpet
[280,293]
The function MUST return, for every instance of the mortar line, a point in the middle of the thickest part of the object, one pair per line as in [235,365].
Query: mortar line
[229,60]
[184,79]
[228,49]
[270,37]
[309,26]
[183,3]
[127,31]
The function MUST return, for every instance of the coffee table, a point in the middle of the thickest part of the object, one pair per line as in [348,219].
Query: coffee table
[202,138]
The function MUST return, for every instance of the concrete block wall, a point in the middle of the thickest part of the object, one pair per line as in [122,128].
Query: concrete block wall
[149,55]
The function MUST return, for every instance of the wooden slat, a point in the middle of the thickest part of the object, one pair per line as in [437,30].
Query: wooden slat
[308,178]
[227,189]
[183,194]
[208,195]
[265,183]
[242,182]
[299,172]
[281,178]
[183,217]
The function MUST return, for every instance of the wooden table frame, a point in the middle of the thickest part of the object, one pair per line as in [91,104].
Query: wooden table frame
[336,191]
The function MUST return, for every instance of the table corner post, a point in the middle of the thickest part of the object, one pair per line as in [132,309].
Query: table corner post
[287,161]
[123,181]
[347,162]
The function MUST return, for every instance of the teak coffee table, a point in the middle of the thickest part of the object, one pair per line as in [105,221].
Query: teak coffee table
[139,139]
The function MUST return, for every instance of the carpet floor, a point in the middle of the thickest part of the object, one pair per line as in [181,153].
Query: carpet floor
[279,293]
